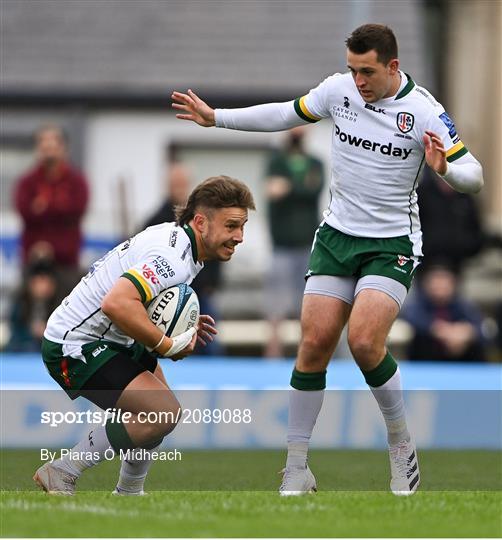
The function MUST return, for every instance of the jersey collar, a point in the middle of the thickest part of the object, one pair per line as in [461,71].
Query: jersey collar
[193,243]
[408,87]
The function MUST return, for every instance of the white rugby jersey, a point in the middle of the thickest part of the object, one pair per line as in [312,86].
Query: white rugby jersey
[377,153]
[155,259]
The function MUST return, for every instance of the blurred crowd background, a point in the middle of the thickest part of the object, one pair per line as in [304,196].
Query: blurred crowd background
[91,153]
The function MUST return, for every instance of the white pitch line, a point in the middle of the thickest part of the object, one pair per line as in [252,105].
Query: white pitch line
[70,507]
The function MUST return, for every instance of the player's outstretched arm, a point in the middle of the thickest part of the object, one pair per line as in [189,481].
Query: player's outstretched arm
[264,117]
[193,108]
[465,175]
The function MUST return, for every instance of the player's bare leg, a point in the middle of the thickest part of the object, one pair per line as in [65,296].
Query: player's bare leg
[144,394]
[323,319]
[148,394]
[370,322]
[133,471]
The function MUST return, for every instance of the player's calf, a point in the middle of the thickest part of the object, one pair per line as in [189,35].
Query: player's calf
[133,472]
[152,426]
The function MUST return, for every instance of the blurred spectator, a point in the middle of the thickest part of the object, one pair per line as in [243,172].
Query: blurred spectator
[32,305]
[294,182]
[447,327]
[51,200]
[178,189]
[208,280]
[498,331]
[451,223]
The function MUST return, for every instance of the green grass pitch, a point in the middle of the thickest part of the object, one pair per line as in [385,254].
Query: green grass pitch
[233,494]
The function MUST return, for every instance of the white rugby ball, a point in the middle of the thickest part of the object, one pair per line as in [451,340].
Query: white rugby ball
[175,310]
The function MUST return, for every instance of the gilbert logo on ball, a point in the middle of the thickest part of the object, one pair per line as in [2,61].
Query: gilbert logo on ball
[175,310]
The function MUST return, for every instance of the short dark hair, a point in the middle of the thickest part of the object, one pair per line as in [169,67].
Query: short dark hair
[214,193]
[377,37]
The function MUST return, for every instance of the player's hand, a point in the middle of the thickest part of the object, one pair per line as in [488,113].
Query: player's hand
[193,108]
[179,346]
[188,349]
[206,330]
[435,154]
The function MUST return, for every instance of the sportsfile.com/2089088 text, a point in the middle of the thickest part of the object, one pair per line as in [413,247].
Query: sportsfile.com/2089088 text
[183,416]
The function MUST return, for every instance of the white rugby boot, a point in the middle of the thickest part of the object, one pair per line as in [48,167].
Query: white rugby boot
[121,492]
[55,481]
[405,474]
[297,481]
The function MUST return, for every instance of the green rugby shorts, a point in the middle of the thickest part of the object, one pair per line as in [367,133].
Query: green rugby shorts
[107,370]
[337,254]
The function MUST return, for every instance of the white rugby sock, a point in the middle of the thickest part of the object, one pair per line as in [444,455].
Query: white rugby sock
[133,473]
[389,397]
[304,407]
[95,447]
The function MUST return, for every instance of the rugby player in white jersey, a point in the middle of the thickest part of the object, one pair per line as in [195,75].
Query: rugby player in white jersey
[96,342]
[368,246]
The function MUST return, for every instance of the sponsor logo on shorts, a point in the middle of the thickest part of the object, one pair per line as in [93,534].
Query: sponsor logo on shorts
[386,149]
[99,350]
[405,121]
[64,372]
[402,260]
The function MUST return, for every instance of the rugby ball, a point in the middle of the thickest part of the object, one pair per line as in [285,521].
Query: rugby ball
[175,310]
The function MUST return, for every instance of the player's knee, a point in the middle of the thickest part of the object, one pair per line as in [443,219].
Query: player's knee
[364,348]
[172,419]
[313,355]
[315,345]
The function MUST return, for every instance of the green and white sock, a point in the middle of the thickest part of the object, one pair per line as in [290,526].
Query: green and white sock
[90,451]
[305,401]
[385,384]
[133,472]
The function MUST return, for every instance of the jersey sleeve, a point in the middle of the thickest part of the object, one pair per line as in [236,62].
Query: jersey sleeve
[443,125]
[265,117]
[316,104]
[153,274]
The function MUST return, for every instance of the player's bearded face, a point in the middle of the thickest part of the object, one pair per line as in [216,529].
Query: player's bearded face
[222,231]
[374,80]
